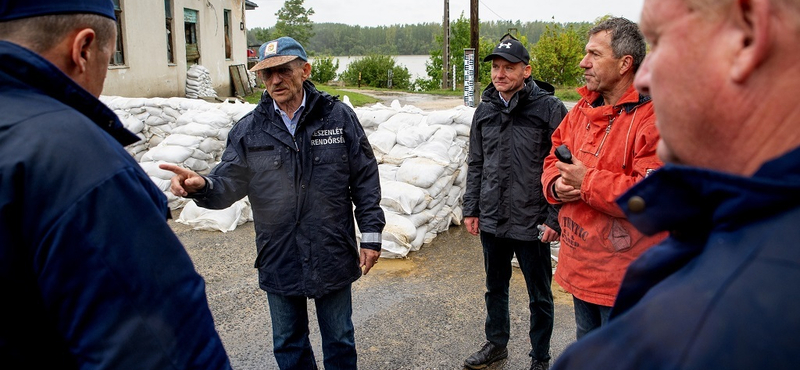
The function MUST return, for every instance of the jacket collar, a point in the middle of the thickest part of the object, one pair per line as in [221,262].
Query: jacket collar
[530,91]
[629,101]
[690,201]
[32,72]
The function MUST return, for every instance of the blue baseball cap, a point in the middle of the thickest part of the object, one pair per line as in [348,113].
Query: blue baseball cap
[276,52]
[18,9]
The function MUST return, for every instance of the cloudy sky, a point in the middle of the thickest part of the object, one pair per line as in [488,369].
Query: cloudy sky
[388,12]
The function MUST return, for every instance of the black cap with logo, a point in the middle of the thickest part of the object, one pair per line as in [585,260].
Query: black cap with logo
[511,50]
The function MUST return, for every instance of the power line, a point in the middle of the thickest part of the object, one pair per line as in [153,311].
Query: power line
[490,9]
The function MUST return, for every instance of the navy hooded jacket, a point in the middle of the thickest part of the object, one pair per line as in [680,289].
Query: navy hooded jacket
[722,291]
[302,189]
[92,275]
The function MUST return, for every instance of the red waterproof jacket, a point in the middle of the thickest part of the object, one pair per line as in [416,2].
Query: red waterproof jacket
[618,146]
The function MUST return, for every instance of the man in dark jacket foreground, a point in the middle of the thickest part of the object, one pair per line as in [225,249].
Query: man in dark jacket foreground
[722,291]
[509,139]
[93,277]
[303,160]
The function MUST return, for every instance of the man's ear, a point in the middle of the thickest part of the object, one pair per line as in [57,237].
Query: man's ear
[625,64]
[752,20]
[82,49]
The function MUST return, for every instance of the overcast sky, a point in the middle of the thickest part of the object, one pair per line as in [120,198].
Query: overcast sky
[389,12]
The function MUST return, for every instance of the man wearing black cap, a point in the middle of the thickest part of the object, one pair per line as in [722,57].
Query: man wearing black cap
[303,160]
[509,140]
[93,276]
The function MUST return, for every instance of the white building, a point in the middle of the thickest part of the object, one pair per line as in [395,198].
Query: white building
[160,39]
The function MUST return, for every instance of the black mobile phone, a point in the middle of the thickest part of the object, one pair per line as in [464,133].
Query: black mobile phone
[563,154]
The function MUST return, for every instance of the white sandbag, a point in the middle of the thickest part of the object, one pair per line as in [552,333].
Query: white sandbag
[436,150]
[464,116]
[420,172]
[162,184]
[382,140]
[413,136]
[216,220]
[417,243]
[152,170]
[212,145]
[132,124]
[457,215]
[400,121]
[183,140]
[461,174]
[196,129]
[388,171]
[168,153]
[391,249]
[369,118]
[398,154]
[399,230]
[435,190]
[442,117]
[197,165]
[400,197]
[462,130]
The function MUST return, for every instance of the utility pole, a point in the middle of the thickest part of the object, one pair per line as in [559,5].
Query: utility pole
[446,45]
[474,35]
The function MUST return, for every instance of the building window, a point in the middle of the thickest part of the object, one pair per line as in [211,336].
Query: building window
[228,46]
[192,42]
[170,43]
[118,58]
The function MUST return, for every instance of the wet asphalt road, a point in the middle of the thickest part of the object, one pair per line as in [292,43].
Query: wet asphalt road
[422,312]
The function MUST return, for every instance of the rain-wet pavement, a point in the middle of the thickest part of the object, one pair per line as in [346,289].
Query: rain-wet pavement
[422,312]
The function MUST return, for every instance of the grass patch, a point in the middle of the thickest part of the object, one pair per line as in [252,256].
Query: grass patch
[356,99]
[567,94]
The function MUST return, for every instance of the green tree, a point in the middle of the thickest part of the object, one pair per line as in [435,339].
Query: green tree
[324,69]
[258,36]
[294,21]
[374,71]
[557,55]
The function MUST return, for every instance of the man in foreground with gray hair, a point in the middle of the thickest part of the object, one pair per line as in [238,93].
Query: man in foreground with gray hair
[721,292]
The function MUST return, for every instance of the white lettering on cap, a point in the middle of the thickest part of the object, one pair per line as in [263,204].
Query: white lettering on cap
[506,45]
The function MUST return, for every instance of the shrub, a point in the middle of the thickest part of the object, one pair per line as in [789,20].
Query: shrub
[324,69]
[374,70]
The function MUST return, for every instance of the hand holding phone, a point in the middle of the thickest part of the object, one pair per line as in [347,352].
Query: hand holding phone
[563,154]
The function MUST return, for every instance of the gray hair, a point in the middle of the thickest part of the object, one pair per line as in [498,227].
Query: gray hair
[42,33]
[626,39]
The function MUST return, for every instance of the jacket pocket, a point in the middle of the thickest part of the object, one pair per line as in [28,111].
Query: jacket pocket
[619,237]
[263,161]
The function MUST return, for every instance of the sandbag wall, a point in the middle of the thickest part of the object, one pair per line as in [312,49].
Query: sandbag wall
[421,157]
[422,162]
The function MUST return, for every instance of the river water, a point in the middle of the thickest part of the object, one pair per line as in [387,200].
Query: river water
[414,63]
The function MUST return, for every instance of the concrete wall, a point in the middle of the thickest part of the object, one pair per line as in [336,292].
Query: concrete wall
[147,73]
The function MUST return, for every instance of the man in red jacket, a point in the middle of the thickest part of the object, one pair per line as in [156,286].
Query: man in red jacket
[612,137]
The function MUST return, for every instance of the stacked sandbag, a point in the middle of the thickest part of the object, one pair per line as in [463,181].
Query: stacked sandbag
[422,163]
[189,133]
[198,83]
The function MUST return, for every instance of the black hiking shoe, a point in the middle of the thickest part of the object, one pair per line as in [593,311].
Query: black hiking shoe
[488,353]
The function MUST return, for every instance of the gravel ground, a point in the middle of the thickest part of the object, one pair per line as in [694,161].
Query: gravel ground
[422,312]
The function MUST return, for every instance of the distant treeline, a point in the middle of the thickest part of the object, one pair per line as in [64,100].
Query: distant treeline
[408,39]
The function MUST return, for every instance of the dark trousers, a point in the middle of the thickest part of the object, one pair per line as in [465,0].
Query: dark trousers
[291,345]
[534,261]
[589,316]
